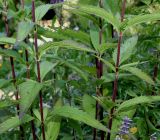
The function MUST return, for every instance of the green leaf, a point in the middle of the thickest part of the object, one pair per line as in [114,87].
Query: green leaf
[137,100]
[53,127]
[75,68]
[127,49]
[14,122]
[43,9]
[24,28]
[79,115]
[94,34]
[89,104]
[76,35]
[77,127]
[28,92]
[11,53]
[7,103]
[139,73]
[107,63]
[45,67]
[140,19]
[129,65]
[4,83]
[64,44]
[7,40]
[93,10]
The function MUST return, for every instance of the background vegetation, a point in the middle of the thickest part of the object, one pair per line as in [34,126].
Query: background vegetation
[84,69]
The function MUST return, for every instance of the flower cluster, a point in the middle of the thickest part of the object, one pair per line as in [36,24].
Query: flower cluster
[126,124]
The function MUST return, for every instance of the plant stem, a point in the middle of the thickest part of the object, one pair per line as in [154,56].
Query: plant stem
[12,68]
[115,88]
[28,77]
[22,4]
[38,70]
[99,69]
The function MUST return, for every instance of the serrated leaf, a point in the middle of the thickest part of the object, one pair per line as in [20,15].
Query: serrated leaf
[126,49]
[139,73]
[28,92]
[43,9]
[53,127]
[4,82]
[110,65]
[129,65]
[94,34]
[74,67]
[11,53]
[7,40]
[7,103]
[93,10]
[79,115]
[64,44]
[24,28]
[89,104]
[45,67]
[137,100]
[140,19]
[14,122]
[76,35]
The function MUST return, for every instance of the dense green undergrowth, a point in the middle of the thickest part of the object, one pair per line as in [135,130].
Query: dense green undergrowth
[90,70]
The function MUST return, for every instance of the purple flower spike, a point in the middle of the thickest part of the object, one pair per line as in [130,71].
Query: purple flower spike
[56,1]
[125,126]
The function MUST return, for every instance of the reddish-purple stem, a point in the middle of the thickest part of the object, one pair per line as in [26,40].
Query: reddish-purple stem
[28,77]
[13,69]
[38,71]
[115,86]
[99,91]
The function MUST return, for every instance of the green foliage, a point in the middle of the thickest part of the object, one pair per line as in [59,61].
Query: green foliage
[79,115]
[13,123]
[77,55]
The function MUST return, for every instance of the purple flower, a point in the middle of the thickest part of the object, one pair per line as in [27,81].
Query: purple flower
[56,1]
[126,124]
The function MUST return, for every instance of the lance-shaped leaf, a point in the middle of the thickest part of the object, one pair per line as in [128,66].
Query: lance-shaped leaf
[7,40]
[139,73]
[110,65]
[76,35]
[74,67]
[53,127]
[127,49]
[4,83]
[43,9]
[7,103]
[89,104]
[93,10]
[64,44]
[45,68]
[137,100]
[11,53]
[79,115]
[24,28]
[13,123]
[140,19]
[28,93]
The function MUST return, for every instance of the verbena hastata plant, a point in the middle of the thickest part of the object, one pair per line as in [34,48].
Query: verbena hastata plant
[92,73]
